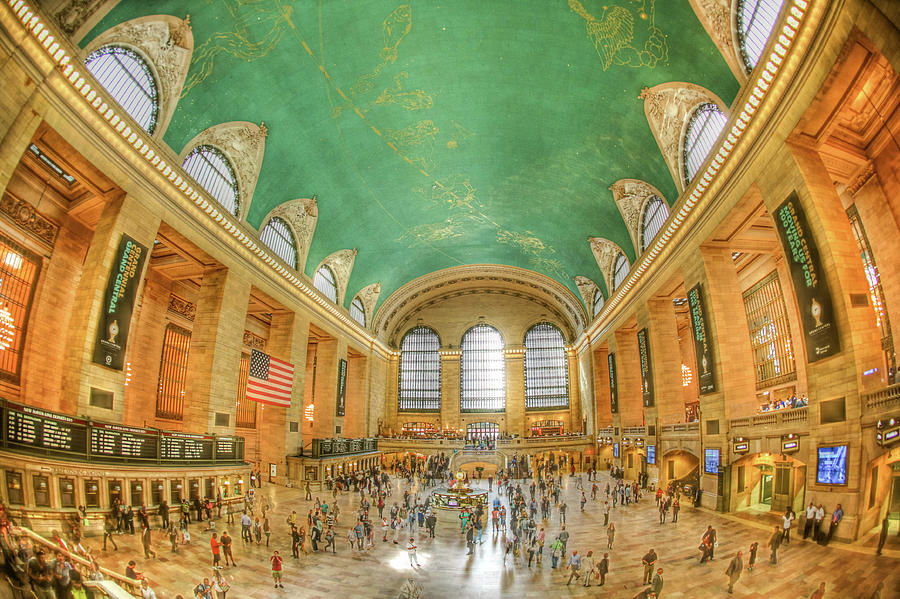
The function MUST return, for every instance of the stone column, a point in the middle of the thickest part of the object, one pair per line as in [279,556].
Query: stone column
[123,215]
[628,374]
[601,387]
[329,351]
[215,352]
[576,393]
[665,355]
[516,422]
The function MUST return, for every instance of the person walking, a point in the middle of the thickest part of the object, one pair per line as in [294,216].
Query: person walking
[214,546]
[754,547]
[574,567]
[308,492]
[109,528]
[173,537]
[556,552]
[676,506]
[603,569]
[246,523]
[267,529]
[606,513]
[773,544]
[733,572]
[277,563]
[225,542]
[648,561]
[411,551]
[145,541]
[656,586]
[610,535]
[786,521]
[587,566]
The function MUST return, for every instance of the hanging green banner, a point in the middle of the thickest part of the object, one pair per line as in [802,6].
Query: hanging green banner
[646,374]
[341,402]
[816,311]
[706,378]
[613,385]
[118,303]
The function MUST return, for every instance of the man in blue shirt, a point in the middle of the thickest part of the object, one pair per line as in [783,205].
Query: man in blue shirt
[836,518]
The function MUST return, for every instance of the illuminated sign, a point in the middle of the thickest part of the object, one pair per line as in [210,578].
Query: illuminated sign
[615,450]
[711,461]
[613,384]
[790,446]
[646,372]
[702,349]
[742,447]
[651,454]
[831,468]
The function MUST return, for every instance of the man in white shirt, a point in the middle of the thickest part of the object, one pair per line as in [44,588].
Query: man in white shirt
[817,526]
[810,518]
[411,550]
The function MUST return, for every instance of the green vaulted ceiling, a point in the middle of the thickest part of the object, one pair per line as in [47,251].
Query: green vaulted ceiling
[435,133]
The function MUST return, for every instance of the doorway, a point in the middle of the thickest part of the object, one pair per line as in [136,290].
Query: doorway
[765,489]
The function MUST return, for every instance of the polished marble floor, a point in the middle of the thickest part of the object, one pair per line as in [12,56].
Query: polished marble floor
[447,572]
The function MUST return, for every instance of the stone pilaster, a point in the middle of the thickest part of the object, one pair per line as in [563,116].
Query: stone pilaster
[514,359]
[628,375]
[665,355]
[450,415]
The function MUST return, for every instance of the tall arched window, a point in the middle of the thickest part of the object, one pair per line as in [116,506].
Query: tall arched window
[358,311]
[598,302]
[420,371]
[707,121]
[482,372]
[128,79]
[325,282]
[278,237]
[655,214]
[755,19]
[546,368]
[212,170]
[620,270]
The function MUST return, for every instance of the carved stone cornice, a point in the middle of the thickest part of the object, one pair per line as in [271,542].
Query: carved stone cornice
[28,219]
[368,295]
[716,17]
[182,307]
[341,264]
[860,180]
[587,288]
[254,341]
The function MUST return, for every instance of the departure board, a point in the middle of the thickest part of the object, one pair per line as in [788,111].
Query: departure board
[226,448]
[33,427]
[185,446]
[123,441]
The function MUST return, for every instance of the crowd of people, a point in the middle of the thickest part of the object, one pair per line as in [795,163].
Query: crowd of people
[788,403]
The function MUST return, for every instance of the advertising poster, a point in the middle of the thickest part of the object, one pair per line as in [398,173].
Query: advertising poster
[646,372]
[832,465]
[613,384]
[341,402]
[711,461]
[705,374]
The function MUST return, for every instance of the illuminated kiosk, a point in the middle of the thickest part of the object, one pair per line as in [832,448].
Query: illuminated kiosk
[458,496]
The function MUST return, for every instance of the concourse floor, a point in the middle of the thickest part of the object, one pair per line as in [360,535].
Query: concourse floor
[447,572]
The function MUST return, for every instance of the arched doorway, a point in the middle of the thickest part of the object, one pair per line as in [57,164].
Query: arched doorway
[680,467]
[768,482]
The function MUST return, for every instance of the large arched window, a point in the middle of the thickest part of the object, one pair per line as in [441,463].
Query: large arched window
[620,270]
[707,121]
[127,78]
[211,169]
[325,282]
[420,371]
[546,368]
[655,214]
[755,19]
[358,311]
[481,371]
[278,237]
[598,302]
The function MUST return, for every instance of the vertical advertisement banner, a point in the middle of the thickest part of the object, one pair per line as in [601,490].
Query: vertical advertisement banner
[341,402]
[118,303]
[613,384]
[816,312]
[646,373]
[706,377]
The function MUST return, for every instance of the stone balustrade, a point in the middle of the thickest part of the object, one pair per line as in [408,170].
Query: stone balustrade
[771,420]
[886,398]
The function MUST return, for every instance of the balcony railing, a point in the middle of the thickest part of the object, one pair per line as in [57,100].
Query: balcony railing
[606,432]
[692,428]
[634,430]
[776,419]
[387,444]
[889,397]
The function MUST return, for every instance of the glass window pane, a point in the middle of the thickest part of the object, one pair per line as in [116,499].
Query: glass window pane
[127,78]
[703,130]
[420,371]
[213,172]
[18,275]
[324,281]
[620,270]
[357,311]
[755,20]
[173,373]
[546,368]
[655,214]
[770,334]
[482,371]
[598,302]
[278,237]
[482,431]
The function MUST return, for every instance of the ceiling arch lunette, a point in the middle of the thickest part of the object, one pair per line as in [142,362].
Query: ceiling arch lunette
[301,215]
[587,288]
[718,18]
[166,43]
[631,196]
[668,107]
[368,295]
[244,144]
[605,252]
[341,264]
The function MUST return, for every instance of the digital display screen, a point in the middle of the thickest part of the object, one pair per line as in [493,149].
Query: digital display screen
[832,465]
[615,450]
[711,461]
[651,454]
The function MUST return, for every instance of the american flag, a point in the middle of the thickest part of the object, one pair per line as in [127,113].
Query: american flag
[270,380]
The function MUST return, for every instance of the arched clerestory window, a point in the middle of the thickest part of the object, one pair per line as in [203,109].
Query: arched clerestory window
[127,78]
[213,171]
[620,270]
[656,211]
[546,368]
[420,371]
[706,123]
[482,371]
[358,311]
[598,302]
[279,238]
[325,282]
[755,21]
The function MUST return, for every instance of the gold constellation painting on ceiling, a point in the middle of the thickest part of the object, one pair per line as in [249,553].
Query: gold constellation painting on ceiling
[613,34]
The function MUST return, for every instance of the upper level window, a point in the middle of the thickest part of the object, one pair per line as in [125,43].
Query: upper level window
[358,311]
[18,276]
[420,371]
[278,237]
[655,214]
[212,170]
[598,302]
[770,332]
[324,282]
[707,121]
[482,371]
[127,78]
[756,20]
[546,368]
[620,270]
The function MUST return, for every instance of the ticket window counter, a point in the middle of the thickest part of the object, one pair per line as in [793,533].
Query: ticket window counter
[225,489]
[157,491]
[41,490]
[175,492]
[66,492]
[15,494]
[209,490]
[115,492]
[239,487]
[137,493]
[194,489]
[92,493]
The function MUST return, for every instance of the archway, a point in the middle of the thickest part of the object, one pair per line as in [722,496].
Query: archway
[882,500]
[768,482]
[679,467]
